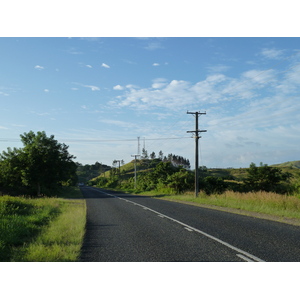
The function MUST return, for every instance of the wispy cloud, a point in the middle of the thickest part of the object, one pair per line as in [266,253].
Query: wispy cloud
[92,87]
[74,51]
[89,66]
[272,53]
[153,46]
[105,66]
[155,64]
[118,123]
[37,67]
[46,91]
[218,68]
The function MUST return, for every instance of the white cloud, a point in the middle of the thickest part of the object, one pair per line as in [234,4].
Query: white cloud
[39,67]
[105,66]
[216,88]
[272,53]
[46,91]
[2,127]
[4,94]
[89,66]
[92,87]
[159,83]
[118,87]
[155,64]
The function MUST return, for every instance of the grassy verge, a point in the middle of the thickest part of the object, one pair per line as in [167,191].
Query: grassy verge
[62,239]
[44,229]
[259,202]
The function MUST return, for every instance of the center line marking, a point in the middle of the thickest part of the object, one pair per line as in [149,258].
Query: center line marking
[188,229]
[242,254]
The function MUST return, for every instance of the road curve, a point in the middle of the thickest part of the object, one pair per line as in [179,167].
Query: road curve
[123,227]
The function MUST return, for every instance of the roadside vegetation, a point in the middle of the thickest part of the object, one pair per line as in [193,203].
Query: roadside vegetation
[273,190]
[41,229]
[41,217]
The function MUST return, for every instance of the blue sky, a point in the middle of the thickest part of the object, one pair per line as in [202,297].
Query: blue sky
[98,95]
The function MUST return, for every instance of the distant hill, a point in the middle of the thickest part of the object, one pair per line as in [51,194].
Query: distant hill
[290,164]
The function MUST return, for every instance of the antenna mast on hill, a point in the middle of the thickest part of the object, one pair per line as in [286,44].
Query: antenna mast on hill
[197,137]
[138,153]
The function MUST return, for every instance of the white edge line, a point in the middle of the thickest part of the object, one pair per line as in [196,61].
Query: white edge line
[194,229]
[244,257]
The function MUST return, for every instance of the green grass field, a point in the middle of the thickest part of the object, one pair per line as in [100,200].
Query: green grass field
[43,229]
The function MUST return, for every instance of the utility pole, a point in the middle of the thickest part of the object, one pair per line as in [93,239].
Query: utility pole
[197,137]
[119,165]
[135,156]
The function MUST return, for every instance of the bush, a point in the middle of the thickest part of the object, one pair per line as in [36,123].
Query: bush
[214,185]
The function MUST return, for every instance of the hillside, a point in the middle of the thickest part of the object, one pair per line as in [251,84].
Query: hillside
[126,172]
[290,164]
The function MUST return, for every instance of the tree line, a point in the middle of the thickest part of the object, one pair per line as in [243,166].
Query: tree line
[41,167]
[166,177]
[176,160]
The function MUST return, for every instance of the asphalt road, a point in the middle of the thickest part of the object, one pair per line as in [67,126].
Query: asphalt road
[130,228]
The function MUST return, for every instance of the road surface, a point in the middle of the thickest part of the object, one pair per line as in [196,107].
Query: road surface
[130,228]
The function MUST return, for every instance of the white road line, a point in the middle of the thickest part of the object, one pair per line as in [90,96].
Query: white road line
[244,258]
[188,229]
[242,253]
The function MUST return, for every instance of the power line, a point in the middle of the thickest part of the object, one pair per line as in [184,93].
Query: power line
[100,141]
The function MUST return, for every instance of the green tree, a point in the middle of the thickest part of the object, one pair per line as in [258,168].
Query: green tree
[266,178]
[181,181]
[152,155]
[160,155]
[41,166]
[144,154]
[213,185]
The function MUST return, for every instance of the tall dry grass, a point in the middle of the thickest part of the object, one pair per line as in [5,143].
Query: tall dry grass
[262,202]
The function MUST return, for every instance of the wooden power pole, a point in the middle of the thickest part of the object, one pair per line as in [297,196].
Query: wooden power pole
[135,157]
[197,137]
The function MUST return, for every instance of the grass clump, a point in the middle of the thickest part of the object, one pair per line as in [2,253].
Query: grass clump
[43,229]
[62,239]
[20,222]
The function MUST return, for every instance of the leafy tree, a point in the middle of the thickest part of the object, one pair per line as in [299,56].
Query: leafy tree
[160,155]
[144,154]
[181,181]
[265,178]
[152,155]
[41,166]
